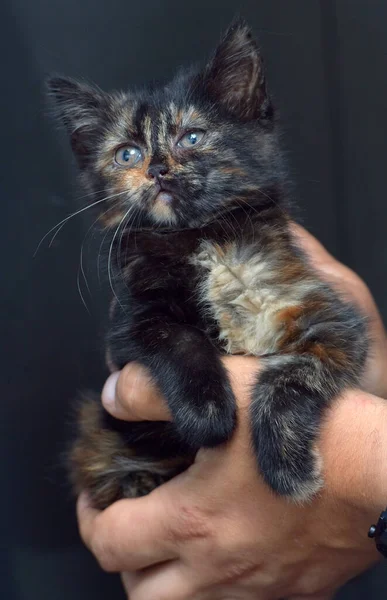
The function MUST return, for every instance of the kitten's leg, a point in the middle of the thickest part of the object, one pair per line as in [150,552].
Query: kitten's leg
[290,396]
[189,373]
[288,402]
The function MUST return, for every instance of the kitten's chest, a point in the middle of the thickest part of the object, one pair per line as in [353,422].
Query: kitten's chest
[242,290]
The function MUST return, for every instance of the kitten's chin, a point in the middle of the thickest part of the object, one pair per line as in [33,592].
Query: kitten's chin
[162,211]
[164,198]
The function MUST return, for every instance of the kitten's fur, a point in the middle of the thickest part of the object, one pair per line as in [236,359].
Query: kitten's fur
[212,271]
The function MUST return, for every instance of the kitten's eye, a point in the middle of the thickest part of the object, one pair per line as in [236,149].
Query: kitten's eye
[128,156]
[190,139]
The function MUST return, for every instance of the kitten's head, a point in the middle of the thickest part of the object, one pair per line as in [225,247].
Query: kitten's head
[177,156]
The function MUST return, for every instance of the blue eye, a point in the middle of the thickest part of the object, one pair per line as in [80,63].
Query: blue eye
[190,139]
[128,156]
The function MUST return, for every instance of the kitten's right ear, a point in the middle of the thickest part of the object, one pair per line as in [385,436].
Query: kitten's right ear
[235,76]
[79,107]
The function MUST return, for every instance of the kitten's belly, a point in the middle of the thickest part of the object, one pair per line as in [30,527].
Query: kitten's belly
[243,292]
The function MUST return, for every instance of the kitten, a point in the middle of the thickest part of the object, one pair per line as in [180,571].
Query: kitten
[203,263]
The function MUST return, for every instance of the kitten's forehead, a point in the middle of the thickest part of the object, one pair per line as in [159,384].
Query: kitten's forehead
[154,123]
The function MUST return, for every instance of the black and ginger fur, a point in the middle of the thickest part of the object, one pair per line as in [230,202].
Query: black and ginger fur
[203,263]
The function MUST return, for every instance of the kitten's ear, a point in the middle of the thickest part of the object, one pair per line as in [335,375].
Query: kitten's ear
[235,75]
[79,107]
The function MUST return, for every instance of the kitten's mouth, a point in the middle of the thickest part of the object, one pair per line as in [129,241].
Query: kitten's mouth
[162,204]
[163,195]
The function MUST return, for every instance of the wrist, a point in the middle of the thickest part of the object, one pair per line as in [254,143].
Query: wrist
[354,450]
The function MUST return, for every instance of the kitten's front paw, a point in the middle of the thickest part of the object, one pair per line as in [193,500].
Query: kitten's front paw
[284,444]
[300,483]
[207,418]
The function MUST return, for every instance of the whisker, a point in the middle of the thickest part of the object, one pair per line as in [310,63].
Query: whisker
[132,221]
[61,223]
[73,215]
[123,229]
[77,198]
[110,255]
[100,255]
[274,201]
[246,212]
[81,267]
[238,230]
[220,219]
[80,293]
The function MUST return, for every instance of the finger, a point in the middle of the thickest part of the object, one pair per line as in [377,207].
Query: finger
[130,534]
[131,395]
[170,581]
[86,516]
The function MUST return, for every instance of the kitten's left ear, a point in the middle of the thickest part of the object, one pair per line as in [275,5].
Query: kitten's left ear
[235,75]
[80,107]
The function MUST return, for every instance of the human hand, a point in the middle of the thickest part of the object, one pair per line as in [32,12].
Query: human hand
[217,531]
[348,284]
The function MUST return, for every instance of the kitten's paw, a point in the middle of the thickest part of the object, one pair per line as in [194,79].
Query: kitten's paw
[208,423]
[284,443]
[289,478]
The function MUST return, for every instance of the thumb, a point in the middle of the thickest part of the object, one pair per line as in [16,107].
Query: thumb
[131,395]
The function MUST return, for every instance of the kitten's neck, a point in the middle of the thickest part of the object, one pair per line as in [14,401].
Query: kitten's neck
[240,212]
[243,223]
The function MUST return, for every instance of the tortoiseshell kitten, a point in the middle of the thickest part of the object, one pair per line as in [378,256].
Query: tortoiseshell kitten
[204,264]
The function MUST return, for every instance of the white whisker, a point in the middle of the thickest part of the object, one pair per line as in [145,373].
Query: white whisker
[111,250]
[66,219]
[81,267]
[100,254]
[246,213]
[80,292]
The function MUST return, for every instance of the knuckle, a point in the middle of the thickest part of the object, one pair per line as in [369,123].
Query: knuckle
[124,381]
[192,524]
[124,389]
[105,560]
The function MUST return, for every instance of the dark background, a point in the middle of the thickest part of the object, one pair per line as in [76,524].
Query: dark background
[327,66]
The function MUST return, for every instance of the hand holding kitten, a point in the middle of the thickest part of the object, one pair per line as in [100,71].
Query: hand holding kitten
[220,530]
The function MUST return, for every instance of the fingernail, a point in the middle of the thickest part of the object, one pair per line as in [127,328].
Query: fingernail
[109,391]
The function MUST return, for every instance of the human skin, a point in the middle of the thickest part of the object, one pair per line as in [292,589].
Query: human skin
[217,532]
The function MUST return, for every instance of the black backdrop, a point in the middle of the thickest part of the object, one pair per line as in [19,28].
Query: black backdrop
[327,65]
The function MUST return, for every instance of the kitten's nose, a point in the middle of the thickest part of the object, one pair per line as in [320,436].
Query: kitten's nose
[156,171]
